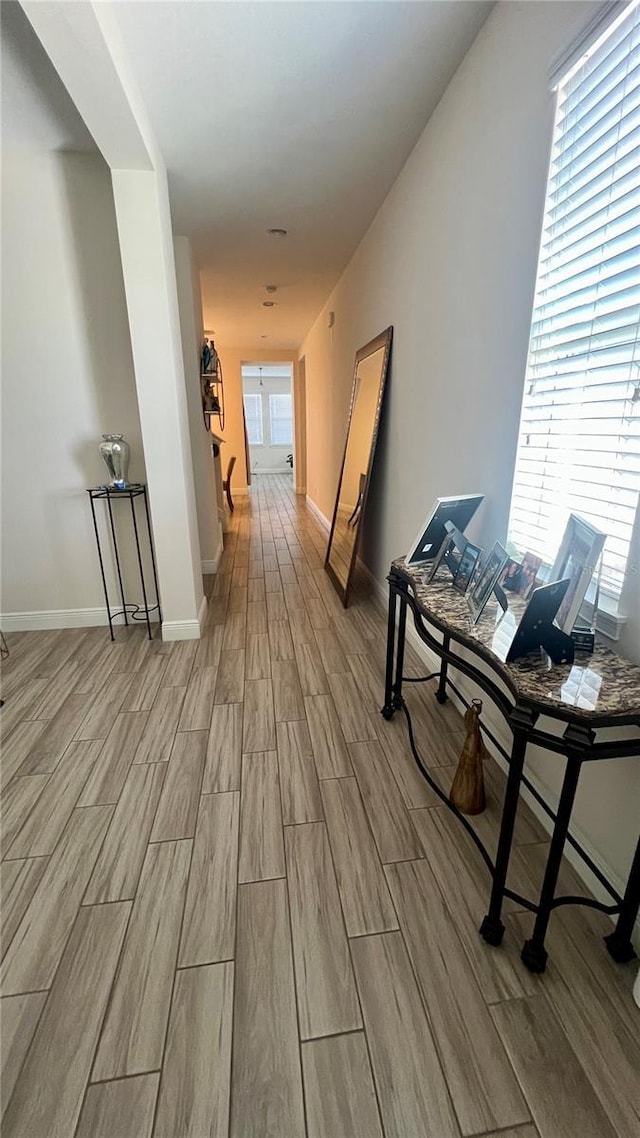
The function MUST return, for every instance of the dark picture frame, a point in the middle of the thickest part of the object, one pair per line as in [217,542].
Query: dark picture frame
[466,567]
[455,510]
[487,580]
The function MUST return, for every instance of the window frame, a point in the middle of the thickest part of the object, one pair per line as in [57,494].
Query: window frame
[259,420]
[274,396]
[554,410]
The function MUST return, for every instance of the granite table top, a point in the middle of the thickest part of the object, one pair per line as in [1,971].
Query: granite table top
[601,685]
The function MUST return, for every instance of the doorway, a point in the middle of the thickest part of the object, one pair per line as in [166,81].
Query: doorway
[267,395]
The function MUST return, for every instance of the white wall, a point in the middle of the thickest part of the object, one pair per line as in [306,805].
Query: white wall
[268,458]
[450,261]
[67,377]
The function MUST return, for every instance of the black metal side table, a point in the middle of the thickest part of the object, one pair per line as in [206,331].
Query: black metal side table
[109,494]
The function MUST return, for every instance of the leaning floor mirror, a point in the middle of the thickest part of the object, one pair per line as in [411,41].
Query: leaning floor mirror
[370,374]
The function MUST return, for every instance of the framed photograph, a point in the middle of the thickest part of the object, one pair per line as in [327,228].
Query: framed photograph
[468,561]
[458,510]
[529,569]
[577,559]
[511,577]
[487,579]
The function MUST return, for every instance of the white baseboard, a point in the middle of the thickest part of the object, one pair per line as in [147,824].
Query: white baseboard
[186,629]
[208,567]
[324,521]
[181,630]
[468,691]
[58,618]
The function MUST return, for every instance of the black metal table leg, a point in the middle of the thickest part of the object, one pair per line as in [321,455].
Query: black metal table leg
[441,691]
[402,629]
[522,721]
[102,572]
[151,551]
[117,557]
[388,708]
[141,569]
[618,942]
[534,954]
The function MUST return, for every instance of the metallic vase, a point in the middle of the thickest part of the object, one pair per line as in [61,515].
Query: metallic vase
[115,452]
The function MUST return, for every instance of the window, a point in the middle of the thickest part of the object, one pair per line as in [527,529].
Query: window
[579,443]
[280,419]
[253,418]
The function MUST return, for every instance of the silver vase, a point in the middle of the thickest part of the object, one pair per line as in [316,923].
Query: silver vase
[115,451]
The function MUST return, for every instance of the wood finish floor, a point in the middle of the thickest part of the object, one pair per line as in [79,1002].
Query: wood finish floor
[232,907]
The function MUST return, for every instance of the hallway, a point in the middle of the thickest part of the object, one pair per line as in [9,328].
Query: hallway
[232,907]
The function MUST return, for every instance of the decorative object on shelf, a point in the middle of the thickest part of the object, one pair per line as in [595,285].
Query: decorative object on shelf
[458,510]
[211,383]
[487,580]
[115,452]
[467,789]
[370,376]
[584,639]
[577,559]
[466,568]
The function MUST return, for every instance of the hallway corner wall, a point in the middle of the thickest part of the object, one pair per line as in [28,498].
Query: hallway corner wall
[190,308]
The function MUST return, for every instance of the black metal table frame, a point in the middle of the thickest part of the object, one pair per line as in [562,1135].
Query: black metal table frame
[578,745]
[130,493]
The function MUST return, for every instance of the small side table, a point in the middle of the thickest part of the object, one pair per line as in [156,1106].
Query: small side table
[109,494]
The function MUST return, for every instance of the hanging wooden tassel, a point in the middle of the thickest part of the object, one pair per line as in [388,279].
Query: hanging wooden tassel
[467,788]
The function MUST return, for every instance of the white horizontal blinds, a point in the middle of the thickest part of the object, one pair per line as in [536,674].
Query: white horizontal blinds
[253,418]
[281,420]
[579,444]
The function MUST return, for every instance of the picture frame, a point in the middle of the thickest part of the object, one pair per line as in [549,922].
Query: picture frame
[486,580]
[529,568]
[577,559]
[537,629]
[466,567]
[457,509]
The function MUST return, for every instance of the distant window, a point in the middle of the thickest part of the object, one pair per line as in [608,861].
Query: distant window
[253,419]
[281,420]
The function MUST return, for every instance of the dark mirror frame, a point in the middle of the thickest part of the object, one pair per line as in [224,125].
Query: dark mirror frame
[381,341]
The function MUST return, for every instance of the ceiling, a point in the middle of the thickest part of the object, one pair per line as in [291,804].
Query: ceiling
[36,108]
[294,115]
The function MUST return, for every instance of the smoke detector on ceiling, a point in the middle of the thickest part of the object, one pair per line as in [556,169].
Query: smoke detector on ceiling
[277,232]
[271,288]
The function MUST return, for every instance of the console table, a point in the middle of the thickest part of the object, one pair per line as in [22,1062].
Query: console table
[598,692]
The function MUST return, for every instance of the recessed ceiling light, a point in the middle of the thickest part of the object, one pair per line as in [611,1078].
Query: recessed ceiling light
[277,232]
[268,303]
[264,336]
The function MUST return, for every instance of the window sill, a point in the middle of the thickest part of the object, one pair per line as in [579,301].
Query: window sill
[609,620]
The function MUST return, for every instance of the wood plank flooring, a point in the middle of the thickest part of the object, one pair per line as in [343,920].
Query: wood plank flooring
[232,907]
